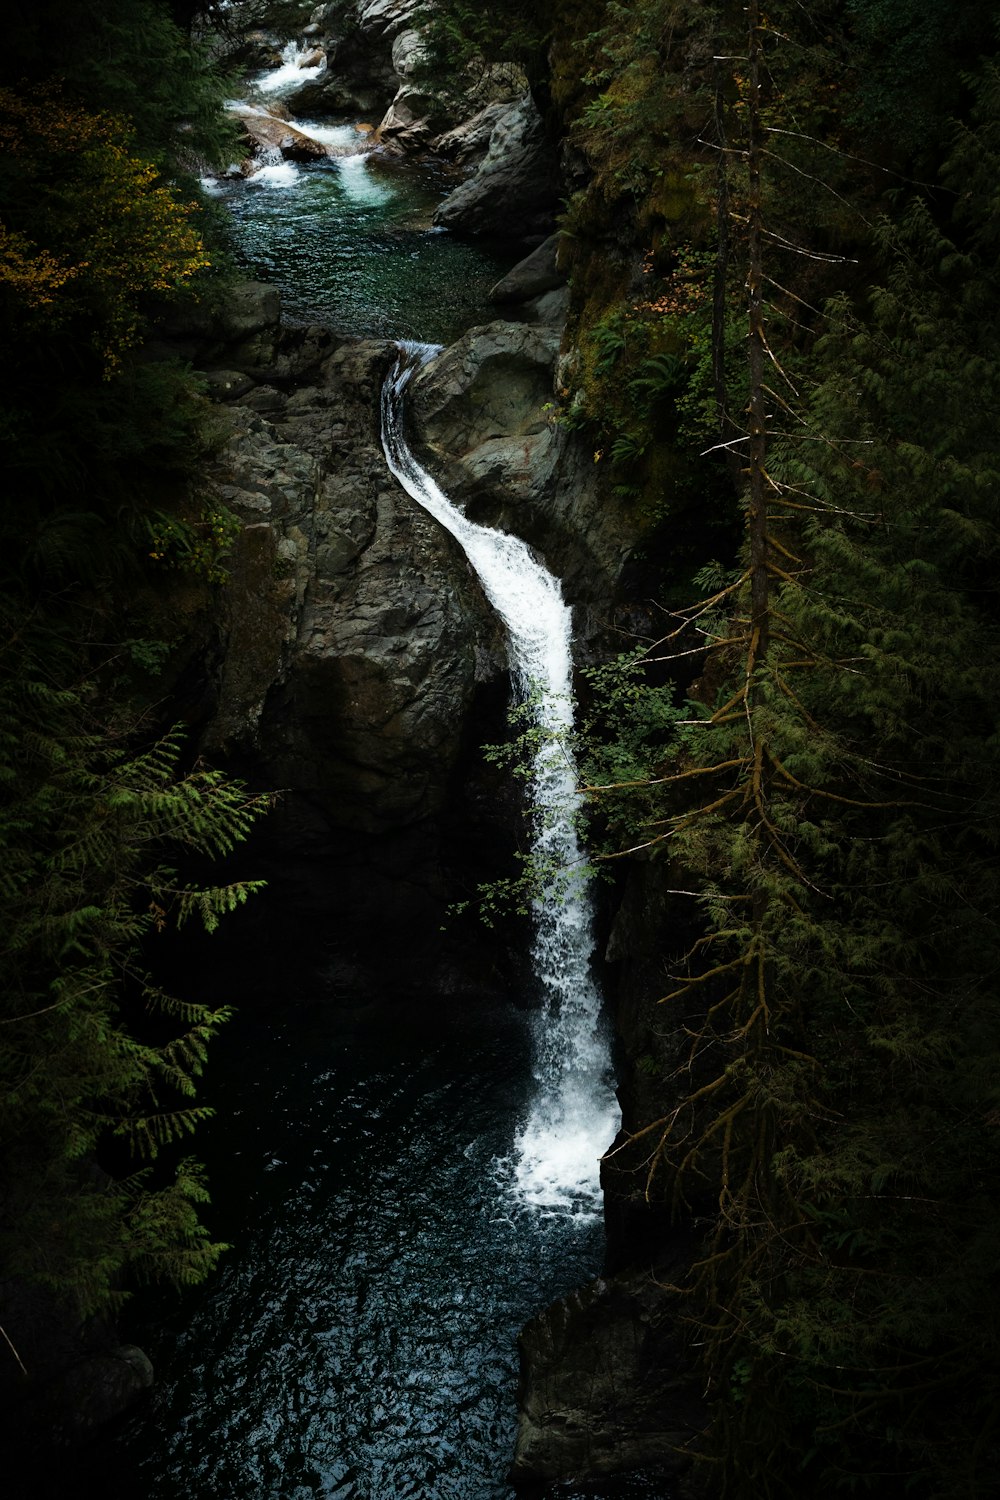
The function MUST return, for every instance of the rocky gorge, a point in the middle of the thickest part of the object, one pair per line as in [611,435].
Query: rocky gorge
[352,660]
[501,513]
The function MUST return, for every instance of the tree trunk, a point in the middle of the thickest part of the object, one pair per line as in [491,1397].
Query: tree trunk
[757,415]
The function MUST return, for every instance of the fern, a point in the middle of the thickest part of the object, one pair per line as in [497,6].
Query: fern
[83,829]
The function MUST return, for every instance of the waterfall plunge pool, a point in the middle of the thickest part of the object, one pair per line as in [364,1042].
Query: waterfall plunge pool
[349,242]
[359,1341]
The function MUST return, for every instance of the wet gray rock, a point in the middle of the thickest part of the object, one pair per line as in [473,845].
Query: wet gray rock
[354,630]
[385,17]
[533,276]
[410,121]
[90,1393]
[551,309]
[351,85]
[359,76]
[600,1393]
[484,418]
[250,307]
[514,192]
[493,384]
[350,658]
[469,141]
[407,53]
[418,121]
[268,132]
[228,385]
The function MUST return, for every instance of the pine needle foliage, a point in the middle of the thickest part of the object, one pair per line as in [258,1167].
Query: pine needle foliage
[129,59]
[500,44]
[830,799]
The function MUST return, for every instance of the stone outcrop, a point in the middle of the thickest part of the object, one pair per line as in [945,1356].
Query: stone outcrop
[514,191]
[360,73]
[355,630]
[365,60]
[484,418]
[266,132]
[363,617]
[601,1393]
[385,17]
[532,277]
[413,116]
[95,1391]
[351,657]
[468,141]
[418,120]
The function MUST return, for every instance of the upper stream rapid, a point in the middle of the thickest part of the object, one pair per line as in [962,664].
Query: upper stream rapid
[403,1190]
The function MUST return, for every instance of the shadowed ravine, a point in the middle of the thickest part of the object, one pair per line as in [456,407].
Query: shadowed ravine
[403,1187]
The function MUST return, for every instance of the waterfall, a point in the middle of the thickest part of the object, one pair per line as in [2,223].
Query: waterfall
[292,71]
[574,1116]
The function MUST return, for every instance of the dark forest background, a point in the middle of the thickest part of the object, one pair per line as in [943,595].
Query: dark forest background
[781,225]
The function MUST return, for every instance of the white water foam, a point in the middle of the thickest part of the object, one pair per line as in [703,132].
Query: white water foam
[358,183]
[344,140]
[275,171]
[345,144]
[290,73]
[574,1117]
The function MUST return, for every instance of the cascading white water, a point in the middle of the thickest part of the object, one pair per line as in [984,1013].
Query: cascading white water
[574,1117]
[273,171]
[291,72]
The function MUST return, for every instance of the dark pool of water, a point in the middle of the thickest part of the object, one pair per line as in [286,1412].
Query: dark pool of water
[359,1342]
[349,242]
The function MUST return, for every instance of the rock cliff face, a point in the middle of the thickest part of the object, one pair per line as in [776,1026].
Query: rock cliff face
[360,628]
[483,413]
[514,191]
[600,1392]
[351,657]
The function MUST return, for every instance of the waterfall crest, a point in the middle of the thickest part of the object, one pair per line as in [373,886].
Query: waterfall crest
[574,1116]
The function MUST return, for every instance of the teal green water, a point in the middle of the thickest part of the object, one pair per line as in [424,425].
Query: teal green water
[349,242]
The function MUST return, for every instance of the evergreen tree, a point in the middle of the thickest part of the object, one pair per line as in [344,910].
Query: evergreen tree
[93,1049]
[835,1021]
